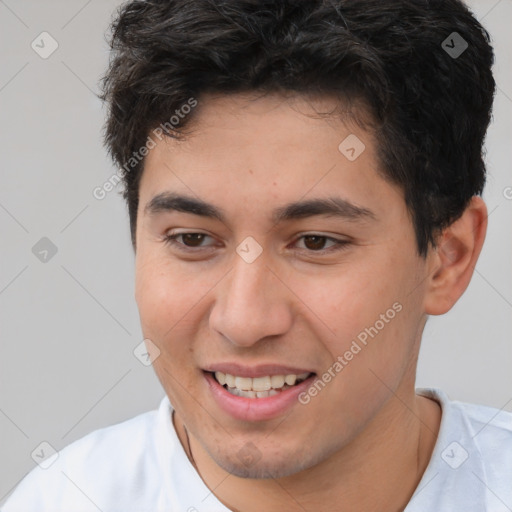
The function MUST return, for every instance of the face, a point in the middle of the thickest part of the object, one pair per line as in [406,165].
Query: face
[285,257]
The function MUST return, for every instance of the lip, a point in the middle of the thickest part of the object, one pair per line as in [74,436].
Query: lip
[261,370]
[256,409]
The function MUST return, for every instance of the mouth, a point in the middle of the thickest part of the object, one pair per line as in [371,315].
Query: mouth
[259,387]
[264,396]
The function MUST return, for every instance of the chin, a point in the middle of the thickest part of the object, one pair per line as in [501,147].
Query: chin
[266,467]
[262,471]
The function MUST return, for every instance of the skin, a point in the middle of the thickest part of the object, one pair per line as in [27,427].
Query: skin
[367,429]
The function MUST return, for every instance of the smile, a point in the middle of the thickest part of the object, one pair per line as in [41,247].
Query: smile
[260,397]
[258,387]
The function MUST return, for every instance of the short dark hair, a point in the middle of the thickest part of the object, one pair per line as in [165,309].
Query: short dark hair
[430,107]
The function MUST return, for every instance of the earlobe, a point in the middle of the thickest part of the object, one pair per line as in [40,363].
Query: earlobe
[453,261]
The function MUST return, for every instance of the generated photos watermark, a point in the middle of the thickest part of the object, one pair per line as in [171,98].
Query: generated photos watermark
[159,132]
[357,345]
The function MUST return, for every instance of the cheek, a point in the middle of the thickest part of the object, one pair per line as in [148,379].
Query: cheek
[174,300]
[164,296]
[166,300]
[346,301]
[156,298]
[366,315]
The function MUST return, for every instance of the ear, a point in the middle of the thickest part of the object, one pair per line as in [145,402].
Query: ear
[453,260]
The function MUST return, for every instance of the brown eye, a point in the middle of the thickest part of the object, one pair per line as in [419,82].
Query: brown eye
[192,239]
[314,242]
[187,241]
[317,244]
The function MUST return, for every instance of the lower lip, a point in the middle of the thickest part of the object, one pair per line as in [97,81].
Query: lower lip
[256,409]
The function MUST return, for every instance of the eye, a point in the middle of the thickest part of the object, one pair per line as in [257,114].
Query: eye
[313,243]
[190,240]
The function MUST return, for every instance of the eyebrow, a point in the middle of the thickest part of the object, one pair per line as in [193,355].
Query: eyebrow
[331,206]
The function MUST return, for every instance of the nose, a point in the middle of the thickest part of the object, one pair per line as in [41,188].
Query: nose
[251,304]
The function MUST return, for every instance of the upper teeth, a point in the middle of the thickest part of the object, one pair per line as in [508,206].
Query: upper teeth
[259,383]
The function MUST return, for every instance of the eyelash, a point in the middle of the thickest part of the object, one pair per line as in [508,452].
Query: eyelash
[339,245]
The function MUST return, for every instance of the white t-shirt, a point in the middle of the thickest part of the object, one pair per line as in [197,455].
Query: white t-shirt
[140,465]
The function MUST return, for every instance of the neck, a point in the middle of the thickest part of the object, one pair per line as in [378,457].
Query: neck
[388,457]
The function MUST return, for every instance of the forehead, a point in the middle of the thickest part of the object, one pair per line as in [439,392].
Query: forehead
[274,117]
[265,150]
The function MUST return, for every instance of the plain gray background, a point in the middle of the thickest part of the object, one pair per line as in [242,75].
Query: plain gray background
[69,325]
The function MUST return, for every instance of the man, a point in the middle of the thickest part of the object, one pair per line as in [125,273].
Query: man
[303,181]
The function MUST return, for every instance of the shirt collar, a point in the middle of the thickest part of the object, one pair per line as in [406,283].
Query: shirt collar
[455,475]
[455,461]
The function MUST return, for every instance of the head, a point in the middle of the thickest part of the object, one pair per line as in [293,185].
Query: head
[325,158]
